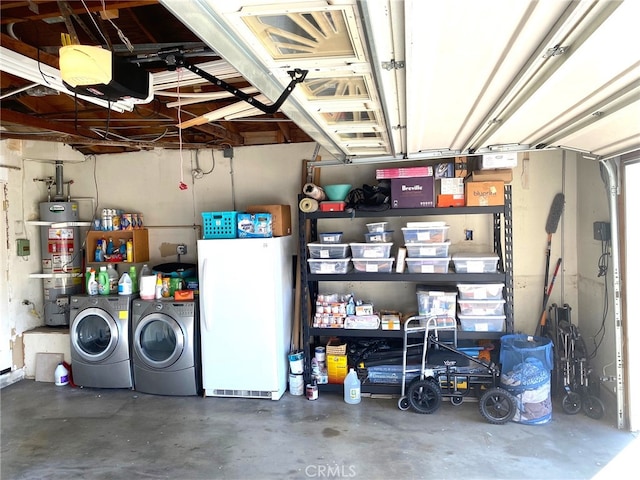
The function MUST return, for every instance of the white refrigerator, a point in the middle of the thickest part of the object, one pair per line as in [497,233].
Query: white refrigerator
[246,313]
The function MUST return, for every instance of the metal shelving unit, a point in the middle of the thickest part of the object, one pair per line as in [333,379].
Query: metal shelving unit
[503,247]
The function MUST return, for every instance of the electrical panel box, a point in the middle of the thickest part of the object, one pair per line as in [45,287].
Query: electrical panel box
[23,246]
[602,231]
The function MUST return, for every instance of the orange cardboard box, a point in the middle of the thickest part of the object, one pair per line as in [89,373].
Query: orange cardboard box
[482,194]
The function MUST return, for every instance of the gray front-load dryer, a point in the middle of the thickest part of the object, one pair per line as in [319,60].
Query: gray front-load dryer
[100,341]
[165,347]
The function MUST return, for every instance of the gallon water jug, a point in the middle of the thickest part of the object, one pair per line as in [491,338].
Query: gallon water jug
[352,387]
[113,279]
[61,375]
[125,285]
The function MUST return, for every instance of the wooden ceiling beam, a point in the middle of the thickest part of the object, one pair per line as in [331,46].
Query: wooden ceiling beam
[50,9]
[32,121]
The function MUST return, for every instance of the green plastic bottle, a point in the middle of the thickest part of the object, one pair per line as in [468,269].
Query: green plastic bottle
[134,278]
[103,281]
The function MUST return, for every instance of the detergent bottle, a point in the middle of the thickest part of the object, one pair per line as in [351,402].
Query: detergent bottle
[103,281]
[113,279]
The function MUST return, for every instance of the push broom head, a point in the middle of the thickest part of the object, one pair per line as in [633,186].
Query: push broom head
[555,212]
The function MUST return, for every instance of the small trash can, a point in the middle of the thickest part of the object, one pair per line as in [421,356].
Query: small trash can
[527,362]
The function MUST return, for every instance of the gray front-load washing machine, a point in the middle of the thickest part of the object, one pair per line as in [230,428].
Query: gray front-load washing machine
[165,347]
[100,340]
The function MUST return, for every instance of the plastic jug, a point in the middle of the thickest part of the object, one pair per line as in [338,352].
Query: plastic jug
[61,375]
[125,285]
[352,387]
[144,271]
[103,281]
[113,279]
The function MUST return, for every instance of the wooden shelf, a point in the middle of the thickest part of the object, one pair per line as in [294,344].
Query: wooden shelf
[140,238]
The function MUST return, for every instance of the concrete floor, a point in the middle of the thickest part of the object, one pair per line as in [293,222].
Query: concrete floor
[51,432]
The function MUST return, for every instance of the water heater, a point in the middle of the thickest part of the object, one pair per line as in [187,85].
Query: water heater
[61,254]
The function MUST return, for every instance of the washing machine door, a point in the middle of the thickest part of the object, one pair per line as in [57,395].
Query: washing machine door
[94,334]
[158,340]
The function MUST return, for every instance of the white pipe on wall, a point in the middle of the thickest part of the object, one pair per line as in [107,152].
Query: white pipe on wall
[611,166]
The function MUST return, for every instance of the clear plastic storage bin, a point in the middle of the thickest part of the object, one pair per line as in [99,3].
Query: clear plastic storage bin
[473,323]
[481,307]
[428,265]
[434,234]
[480,291]
[328,250]
[379,237]
[383,265]
[437,303]
[371,250]
[377,227]
[420,250]
[475,262]
[330,237]
[330,265]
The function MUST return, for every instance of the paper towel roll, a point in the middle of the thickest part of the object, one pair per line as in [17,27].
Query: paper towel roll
[308,205]
[314,191]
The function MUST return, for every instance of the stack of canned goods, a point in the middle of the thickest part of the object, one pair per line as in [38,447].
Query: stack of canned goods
[114,219]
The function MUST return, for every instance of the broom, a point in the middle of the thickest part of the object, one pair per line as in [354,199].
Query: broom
[555,212]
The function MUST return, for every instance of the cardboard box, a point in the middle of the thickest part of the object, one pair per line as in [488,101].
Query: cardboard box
[444,170]
[450,200]
[280,217]
[504,174]
[481,194]
[337,368]
[254,225]
[460,167]
[450,186]
[417,192]
[499,160]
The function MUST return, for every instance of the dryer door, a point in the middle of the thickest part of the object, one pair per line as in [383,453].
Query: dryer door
[94,334]
[158,340]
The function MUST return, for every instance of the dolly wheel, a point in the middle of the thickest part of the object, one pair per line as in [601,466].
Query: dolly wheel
[497,406]
[456,399]
[593,407]
[424,396]
[571,403]
[403,403]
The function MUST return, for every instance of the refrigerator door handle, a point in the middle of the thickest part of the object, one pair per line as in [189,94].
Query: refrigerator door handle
[203,288]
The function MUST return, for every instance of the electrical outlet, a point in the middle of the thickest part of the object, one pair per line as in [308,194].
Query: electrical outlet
[602,231]
[181,249]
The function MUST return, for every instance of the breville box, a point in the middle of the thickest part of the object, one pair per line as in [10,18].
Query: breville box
[482,194]
[499,160]
[280,217]
[417,192]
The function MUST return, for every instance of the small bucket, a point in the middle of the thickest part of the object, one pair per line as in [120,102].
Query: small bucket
[296,362]
[296,384]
